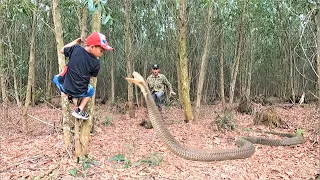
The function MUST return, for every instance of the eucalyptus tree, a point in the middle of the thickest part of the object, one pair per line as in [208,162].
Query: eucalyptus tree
[82,146]
[221,65]
[317,20]
[31,73]
[238,50]
[182,62]
[3,86]
[204,59]
[66,118]
[3,72]
[128,54]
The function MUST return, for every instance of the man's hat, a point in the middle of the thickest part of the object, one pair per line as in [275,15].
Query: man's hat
[155,66]
[98,39]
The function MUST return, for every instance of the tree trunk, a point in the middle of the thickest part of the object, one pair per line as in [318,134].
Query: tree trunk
[30,73]
[82,144]
[66,119]
[15,83]
[249,74]
[128,54]
[238,52]
[112,72]
[204,60]
[83,24]
[33,86]
[317,19]
[292,78]
[49,73]
[221,66]
[4,95]
[183,63]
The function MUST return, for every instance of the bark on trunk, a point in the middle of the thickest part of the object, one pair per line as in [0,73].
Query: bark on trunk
[221,64]
[15,82]
[66,119]
[30,73]
[238,53]
[128,54]
[204,60]
[82,148]
[5,100]
[183,63]
[317,18]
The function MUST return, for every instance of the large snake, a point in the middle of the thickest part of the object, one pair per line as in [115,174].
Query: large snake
[245,144]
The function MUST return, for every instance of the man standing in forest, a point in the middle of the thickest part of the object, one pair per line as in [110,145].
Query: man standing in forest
[83,64]
[156,83]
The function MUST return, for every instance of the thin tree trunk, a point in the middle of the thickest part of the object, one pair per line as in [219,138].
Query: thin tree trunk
[183,63]
[317,19]
[30,73]
[66,119]
[221,64]
[238,52]
[83,24]
[82,130]
[33,86]
[128,54]
[112,75]
[15,83]
[292,78]
[48,67]
[112,79]
[204,60]
[252,48]
[3,78]
[49,74]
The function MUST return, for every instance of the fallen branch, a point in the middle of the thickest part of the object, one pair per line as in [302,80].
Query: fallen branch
[52,125]
[51,104]
[20,162]
[50,171]
[43,121]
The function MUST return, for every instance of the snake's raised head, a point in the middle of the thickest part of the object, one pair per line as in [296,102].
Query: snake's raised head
[139,81]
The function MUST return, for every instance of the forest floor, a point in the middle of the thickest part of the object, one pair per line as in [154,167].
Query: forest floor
[126,150]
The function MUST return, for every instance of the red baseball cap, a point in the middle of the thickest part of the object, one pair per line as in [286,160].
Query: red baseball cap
[98,39]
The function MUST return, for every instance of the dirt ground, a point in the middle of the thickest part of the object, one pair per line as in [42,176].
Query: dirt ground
[125,150]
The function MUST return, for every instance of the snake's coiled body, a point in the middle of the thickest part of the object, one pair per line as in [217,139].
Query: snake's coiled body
[245,144]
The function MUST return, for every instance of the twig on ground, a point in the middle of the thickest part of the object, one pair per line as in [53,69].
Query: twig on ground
[51,104]
[50,171]
[20,162]
[43,121]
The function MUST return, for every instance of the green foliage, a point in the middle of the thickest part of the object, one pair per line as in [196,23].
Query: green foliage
[300,131]
[247,129]
[100,6]
[86,162]
[108,120]
[226,121]
[205,2]
[73,172]
[121,159]
[153,160]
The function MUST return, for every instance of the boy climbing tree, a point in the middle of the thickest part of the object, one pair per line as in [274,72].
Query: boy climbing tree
[83,64]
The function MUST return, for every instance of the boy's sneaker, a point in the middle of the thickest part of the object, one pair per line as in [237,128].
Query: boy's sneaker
[80,114]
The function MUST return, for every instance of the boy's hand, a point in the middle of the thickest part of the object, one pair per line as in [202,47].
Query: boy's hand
[77,41]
